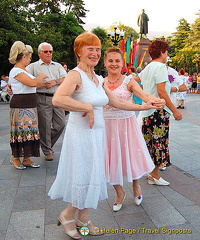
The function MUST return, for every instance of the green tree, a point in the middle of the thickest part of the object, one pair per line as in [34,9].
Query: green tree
[179,37]
[77,7]
[44,7]
[194,43]
[35,21]
[129,31]
[177,43]
[13,26]
[102,35]
[187,53]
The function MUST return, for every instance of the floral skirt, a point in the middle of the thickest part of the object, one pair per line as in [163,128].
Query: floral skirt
[24,133]
[155,129]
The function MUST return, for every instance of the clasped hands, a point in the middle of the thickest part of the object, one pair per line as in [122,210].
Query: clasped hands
[49,84]
[159,104]
[156,103]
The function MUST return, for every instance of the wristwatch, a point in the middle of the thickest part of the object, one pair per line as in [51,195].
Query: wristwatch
[56,81]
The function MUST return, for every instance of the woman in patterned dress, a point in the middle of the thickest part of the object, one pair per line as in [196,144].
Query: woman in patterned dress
[24,134]
[155,126]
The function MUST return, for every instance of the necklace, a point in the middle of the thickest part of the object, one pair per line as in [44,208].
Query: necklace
[114,81]
[91,73]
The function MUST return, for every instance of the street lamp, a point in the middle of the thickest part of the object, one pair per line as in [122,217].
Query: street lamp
[116,36]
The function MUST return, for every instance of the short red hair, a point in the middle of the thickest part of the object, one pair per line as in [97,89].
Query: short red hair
[85,39]
[157,47]
[182,71]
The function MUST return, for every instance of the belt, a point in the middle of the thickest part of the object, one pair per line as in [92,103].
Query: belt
[46,94]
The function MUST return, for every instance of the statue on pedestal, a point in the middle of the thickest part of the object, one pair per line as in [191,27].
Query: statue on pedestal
[143,24]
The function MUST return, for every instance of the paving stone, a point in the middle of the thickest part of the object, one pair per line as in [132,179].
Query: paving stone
[10,172]
[29,198]
[191,213]
[26,225]
[158,208]
[33,177]
[2,234]
[27,213]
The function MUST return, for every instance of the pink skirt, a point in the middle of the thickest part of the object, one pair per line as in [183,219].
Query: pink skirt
[127,156]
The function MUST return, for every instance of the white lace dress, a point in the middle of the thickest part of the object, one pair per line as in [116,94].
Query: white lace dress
[182,95]
[80,176]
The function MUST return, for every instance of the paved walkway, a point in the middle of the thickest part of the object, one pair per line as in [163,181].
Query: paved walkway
[171,212]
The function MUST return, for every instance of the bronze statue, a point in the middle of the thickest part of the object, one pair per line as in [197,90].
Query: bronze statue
[143,23]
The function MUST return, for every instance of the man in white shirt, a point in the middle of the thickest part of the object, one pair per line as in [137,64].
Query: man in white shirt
[50,118]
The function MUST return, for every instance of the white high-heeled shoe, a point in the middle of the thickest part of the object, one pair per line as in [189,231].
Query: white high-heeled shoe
[138,200]
[118,206]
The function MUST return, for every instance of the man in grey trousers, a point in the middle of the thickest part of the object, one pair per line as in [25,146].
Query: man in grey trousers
[51,119]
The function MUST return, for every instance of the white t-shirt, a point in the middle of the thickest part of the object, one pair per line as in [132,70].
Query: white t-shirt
[18,87]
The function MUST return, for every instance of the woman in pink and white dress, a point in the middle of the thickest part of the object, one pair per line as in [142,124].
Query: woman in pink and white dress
[127,156]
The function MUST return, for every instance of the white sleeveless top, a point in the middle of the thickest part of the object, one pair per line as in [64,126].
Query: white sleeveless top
[17,86]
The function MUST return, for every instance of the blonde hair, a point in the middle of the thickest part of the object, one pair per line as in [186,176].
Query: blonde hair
[85,39]
[17,50]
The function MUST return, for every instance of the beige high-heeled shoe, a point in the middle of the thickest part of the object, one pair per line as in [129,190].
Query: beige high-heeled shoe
[71,233]
[95,232]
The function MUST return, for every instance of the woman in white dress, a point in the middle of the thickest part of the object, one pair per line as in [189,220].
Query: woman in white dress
[80,179]
[181,96]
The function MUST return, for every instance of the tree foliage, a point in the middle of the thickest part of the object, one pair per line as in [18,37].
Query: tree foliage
[186,44]
[34,21]
[60,21]
[102,35]
[180,36]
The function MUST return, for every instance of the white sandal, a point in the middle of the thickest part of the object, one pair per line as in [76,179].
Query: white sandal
[64,222]
[95,232]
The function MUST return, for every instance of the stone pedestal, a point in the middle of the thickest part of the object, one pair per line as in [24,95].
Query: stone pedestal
[142,46]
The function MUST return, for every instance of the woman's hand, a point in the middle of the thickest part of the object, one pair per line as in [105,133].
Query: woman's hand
[159,103]
[177,115]
[9,89]
[42,76]
[151,104]
[90,116]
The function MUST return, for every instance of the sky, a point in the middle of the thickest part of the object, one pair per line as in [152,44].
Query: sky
[163,16]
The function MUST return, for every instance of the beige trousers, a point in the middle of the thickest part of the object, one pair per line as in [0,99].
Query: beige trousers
[51,122]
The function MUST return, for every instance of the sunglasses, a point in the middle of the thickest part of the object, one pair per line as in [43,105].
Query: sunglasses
[47,51]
